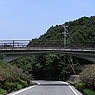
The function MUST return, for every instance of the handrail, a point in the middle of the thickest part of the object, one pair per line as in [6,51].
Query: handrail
[14,43]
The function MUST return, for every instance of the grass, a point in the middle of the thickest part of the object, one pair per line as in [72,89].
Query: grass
[88,91]
[19,86]
[3,91]
[82,88]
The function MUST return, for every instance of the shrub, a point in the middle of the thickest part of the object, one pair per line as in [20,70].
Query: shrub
[3,91]
[80,86]
[88,92]
[23,83]
[10,75]
[88,76]
[13,73]
[9,72]
[9,86]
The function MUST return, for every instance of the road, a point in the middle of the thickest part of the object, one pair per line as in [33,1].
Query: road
[49,88]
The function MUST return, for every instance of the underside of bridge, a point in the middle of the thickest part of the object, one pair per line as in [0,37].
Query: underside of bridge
[86,56]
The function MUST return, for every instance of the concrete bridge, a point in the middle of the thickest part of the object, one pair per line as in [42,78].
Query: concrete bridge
[19,48]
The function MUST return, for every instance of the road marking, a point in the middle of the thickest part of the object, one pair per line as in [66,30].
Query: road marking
[70,88]
[73,90]
[22,90]
[14,93]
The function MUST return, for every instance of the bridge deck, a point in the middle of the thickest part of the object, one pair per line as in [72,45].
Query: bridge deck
[29,50]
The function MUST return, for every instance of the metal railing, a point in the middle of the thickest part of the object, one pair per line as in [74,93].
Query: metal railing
[14,43]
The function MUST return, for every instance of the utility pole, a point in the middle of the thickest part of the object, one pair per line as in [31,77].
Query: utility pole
[65,33]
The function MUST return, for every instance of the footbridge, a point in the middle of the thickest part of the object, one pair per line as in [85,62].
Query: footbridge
[18,48]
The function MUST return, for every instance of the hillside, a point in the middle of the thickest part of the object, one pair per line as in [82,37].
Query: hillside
[82,29]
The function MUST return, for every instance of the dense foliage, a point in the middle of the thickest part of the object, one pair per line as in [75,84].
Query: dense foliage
[87,84]
[11,77]
[82,29]
[49,66]
[83,88]
[88,76]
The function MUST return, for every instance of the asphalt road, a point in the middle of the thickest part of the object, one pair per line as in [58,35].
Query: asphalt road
[49,88]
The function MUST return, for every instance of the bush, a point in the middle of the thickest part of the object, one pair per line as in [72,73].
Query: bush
[88,92]
[19,86]
[23,83]
[9,86]
[12,77]
[3,91]
[88,76]
[9,72]
[80,86]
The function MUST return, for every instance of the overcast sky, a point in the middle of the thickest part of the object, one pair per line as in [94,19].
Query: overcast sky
[28,19]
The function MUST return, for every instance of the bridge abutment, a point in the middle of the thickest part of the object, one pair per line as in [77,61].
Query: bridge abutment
[10,58]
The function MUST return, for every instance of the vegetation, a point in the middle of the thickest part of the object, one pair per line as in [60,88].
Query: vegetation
[88,91]
[83,88]
[48,66]
[87,85]
[12,78]
[80,86]
[3,91]
[88,76]
[80,30]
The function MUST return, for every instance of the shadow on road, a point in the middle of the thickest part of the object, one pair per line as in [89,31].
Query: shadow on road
[53,85]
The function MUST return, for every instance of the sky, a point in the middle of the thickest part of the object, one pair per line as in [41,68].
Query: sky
[28,19]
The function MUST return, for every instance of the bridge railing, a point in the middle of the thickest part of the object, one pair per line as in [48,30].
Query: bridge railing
[14,43]
[40,43]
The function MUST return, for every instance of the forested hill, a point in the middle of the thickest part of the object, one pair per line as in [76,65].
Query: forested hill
[82,29]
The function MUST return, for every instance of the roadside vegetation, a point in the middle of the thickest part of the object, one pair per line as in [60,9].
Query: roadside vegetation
[87,84]
[12,78]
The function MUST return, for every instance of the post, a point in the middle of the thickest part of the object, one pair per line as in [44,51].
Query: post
[13,43]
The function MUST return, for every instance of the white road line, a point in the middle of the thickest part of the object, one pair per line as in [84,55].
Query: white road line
[70,88]
[73,90]
[19,91]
